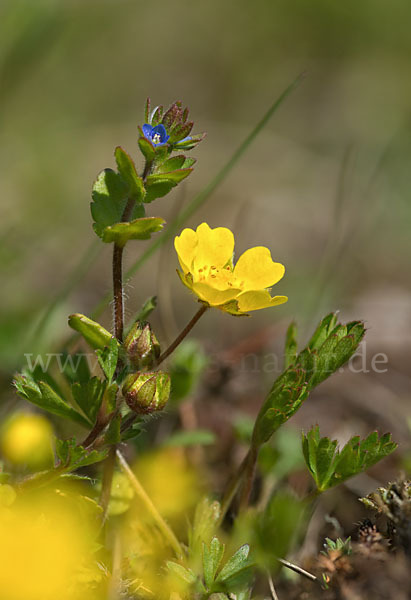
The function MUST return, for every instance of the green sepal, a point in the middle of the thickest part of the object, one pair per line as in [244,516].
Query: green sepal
[95,334]
[140,229]
[191,143]
[156,115]
[109,201]
[43,396]
[330,466]
[128,172]
[89,396]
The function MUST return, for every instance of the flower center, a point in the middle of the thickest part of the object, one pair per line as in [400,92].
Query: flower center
[156,138]
[220,277]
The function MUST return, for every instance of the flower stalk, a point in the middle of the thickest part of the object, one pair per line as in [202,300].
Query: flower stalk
[183,334]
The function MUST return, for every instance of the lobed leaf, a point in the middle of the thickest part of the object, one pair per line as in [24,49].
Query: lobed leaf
[139,229]
[330,466]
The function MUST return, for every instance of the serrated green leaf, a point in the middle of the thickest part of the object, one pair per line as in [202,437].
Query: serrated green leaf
[89,395]
[43,396]
[236,563]
[330,466]
[290,351]
[128,172]
[95,334]
[73,457]
[285,398]
[108,358]
[323,330]
[184,574]
[212,557]
[139,229]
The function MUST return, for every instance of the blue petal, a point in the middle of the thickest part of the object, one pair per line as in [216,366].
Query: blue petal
[148,130]
[162,132]
[186,139]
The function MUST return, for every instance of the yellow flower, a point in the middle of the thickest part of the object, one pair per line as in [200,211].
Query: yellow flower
[206,258]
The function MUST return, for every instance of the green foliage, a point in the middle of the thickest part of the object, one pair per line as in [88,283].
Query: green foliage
[339,545]
[331,346]
[212,557]
[108,358]
[89,396]
[139,229]
[109,201]
[211,579]
[290,351]
[201,437]
[72,456]
[127,170]
[330,466]
[157,188]
[188,364]
[274,530]
[44,396]
[94,334]
[146,147]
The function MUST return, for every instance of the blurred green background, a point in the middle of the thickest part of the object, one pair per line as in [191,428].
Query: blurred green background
[326,185]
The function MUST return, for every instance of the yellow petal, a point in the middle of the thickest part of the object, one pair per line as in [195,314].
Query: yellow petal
[254,300]
[185,245]
[212,296]
[215,246]
[256,268]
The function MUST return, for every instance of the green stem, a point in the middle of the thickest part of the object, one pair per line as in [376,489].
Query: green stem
[143,496]
[249,477]
[108,472]
[231,490]
[183,334]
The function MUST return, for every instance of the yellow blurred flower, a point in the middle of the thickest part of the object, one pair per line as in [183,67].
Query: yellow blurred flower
[43,546]
[26,440]
[206,259]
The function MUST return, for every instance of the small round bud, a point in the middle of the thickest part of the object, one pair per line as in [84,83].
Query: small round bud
[142,346]
[147,392]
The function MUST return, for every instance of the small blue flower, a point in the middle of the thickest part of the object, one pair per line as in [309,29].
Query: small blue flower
[157,135]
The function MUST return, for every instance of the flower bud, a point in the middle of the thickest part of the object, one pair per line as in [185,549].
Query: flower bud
[147,392]
[142,346]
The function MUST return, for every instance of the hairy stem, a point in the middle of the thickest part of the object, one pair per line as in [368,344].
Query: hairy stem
[183,334]
[152,510]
